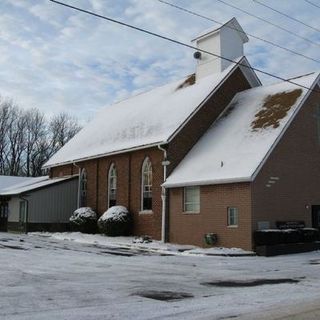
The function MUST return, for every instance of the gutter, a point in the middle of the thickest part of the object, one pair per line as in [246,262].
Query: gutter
[165,163]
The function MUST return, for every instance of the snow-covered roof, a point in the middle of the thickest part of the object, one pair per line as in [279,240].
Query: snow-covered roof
[34,183]
[239,141]
[8,181]
[144,120]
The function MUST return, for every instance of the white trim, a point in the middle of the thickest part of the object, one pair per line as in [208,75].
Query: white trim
[206,182]
[302,102]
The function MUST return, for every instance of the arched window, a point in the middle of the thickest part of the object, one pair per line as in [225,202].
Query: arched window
[83,188]
[146,201]
[112,186]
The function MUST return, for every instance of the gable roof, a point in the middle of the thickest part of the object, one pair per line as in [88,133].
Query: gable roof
[8,181]
[32,185]
[240,140]
[145,120]
[231,24]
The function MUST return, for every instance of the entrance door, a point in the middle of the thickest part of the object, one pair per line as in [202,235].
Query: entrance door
[316,217]
[3,216]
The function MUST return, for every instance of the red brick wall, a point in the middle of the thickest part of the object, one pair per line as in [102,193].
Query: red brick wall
[296,161]
[188,228]
[61,171]
[129,167]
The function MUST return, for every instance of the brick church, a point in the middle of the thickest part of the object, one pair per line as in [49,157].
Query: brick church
[215,152]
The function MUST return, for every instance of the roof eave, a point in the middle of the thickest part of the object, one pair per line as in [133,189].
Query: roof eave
[207,182]
[151,145]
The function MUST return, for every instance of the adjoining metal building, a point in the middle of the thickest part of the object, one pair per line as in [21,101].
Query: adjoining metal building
[42,204]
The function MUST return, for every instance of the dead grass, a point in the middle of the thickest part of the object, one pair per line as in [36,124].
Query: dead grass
[188,82]
[275,108]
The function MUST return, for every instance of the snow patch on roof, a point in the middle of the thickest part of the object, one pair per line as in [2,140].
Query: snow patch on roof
[237,143]
[143,120]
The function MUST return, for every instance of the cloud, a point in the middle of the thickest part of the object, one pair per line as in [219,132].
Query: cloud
[57,59]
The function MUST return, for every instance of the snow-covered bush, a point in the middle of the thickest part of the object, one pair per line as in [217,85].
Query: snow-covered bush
[84,220]
[116,221]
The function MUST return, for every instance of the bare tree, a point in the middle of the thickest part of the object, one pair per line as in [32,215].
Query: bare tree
[62,128]
[28,139]
[35,137]
[5,111]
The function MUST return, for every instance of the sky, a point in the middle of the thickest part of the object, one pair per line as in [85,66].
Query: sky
[57,59]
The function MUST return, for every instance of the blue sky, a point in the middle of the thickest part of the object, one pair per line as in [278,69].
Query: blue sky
[57,59]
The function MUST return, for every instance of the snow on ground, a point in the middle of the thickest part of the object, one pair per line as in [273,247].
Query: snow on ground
[132,242]
[45,278]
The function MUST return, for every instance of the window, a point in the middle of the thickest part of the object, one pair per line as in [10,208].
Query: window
[191,199]
[233,217]
[22,212]
[83,188]
[112,186]
[146,185]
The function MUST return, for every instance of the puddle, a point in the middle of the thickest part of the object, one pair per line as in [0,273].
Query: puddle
[164,295]
[118,253]
[248,283]
[12,247]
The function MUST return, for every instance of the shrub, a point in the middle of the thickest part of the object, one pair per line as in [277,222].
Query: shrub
[84,220]
[116,221]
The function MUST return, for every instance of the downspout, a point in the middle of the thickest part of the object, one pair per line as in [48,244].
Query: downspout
[79,182]
[27,213]
[165,163]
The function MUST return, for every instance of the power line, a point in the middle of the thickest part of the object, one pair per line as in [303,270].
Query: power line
[269,22]
[286,15]
[180,43]
[313,4]
[239,30]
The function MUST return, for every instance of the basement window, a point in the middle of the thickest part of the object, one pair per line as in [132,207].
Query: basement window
[233,217]
[191,199]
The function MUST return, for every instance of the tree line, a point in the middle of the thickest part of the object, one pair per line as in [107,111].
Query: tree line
[28,138]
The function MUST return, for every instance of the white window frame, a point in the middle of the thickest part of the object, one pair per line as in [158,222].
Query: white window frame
[147,165]
[233,222]
[112,177]
[195,204]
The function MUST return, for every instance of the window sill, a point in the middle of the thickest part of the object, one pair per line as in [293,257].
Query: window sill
[146,212]
[233,227]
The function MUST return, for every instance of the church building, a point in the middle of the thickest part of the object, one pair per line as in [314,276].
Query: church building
[213,153]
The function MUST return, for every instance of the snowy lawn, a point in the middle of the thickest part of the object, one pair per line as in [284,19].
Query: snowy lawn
[137,243]
[46,278]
